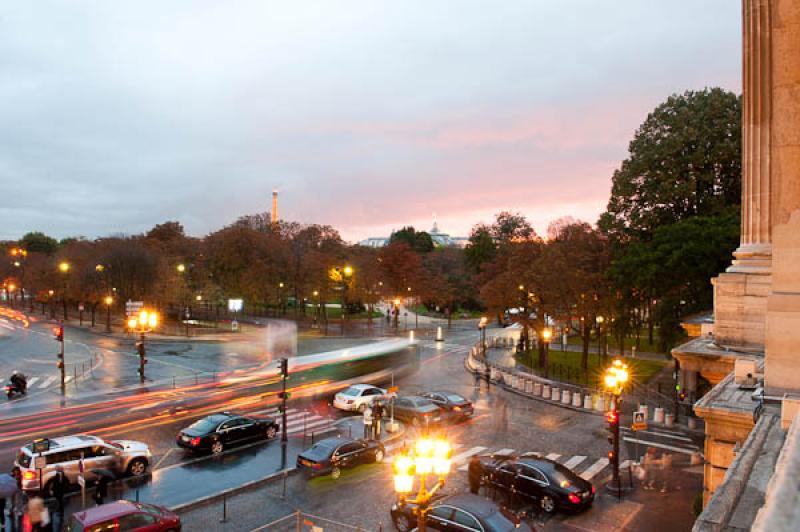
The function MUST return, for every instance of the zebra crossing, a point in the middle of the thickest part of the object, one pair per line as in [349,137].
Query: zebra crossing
[661,439]
[580,464]
[45,381]
[301,421]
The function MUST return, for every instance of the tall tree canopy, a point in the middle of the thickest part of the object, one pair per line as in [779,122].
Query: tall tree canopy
[684,160]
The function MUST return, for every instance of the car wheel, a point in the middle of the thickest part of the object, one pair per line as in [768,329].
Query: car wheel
[271,432]
[402,523]
[379,456]
[217,447]
[336,473]
[137,467]
[548,504]
[362,408]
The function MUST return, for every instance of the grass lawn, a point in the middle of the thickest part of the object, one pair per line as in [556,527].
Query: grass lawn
[566,366]
[459,314]
[335,313]
[630,341]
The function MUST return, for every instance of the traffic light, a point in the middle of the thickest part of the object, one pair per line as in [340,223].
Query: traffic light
[58,332]
[284,366]
[284,395]
[612,416]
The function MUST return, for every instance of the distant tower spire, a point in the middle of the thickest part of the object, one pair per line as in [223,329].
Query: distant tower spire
[435,228]
[274,206]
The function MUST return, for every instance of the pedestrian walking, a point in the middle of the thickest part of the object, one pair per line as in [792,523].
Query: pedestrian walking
[100,490]
[649,464]
[60,487]
[367,422]
[475,474]
[477,379]
[37,516]
[487,374]
[665,467]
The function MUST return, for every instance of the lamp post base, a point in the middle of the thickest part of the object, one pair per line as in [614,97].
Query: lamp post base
[618,487]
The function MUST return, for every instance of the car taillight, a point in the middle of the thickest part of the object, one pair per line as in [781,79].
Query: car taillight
[574,499]
[28,475]
[316,466]
[457,408]
[195,441]
[592,489]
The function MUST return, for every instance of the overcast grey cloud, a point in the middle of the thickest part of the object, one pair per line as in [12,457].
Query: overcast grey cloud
[368,115]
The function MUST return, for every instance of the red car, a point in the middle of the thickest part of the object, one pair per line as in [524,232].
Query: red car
[124,516]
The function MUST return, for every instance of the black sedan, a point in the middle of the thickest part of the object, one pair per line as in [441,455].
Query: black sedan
[454,406]
[216,432]
[538,481]
[331,455]
[417,411]
[464,512]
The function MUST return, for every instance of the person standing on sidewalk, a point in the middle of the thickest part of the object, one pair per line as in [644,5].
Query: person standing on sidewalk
[475,474]
[60,487]
[367,422]
[664,471]
[648,466]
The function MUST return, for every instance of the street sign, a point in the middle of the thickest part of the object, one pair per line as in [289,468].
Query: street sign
[639,421]
[392,389]
[133,307]
[81,307]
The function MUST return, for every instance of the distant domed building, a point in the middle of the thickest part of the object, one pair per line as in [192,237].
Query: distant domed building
[440,239]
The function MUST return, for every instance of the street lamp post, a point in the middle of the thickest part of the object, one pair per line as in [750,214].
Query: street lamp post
[144,323]
[428,457]
[108,301]
[601,352]
[482,328]
[547,334]
[614,380]
[64,267]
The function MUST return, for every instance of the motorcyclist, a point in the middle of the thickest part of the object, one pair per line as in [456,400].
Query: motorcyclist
[19,381]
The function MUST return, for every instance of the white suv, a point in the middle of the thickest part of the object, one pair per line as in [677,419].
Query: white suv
[44,456]
[357,397]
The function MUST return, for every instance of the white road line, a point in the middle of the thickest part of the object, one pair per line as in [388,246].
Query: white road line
[273,411]
[662,434]
[31,381]
[308,426]
[504,451]
[662,446]
[594,469]
[574,461]
[466,454]
[47,382]
[625,464]
[68,378]
[553,456]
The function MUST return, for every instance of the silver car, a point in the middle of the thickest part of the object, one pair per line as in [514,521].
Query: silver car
[39,460]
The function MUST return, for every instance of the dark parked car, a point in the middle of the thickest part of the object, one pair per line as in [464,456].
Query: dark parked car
[331,455]
[539,481]
[124,516]
[216,432]
[417,411]
[464,513]
[453,405]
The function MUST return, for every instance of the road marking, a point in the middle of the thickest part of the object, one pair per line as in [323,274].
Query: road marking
[594,469]
[31,381]
[308,426]
[160,460]
[574,461]
[625,464]
[504,452]
[47,382]
[663,446]
[662,434]
[553,456]
[467,454]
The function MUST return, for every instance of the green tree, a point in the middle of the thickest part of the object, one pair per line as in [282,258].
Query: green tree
[38,242]
[419,241]
[684,160]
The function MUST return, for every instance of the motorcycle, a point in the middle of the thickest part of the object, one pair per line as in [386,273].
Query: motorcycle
[12,388]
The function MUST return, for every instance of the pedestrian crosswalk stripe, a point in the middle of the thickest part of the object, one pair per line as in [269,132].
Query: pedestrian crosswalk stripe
[292,429]
[573,462]
[553,456]
[626,464]
[662,434]
[593,469]
[32,381]
[663,446]
[504,451]
[47,382]
[457,459]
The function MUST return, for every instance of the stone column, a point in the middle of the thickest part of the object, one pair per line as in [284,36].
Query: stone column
[782,365]
[740,293]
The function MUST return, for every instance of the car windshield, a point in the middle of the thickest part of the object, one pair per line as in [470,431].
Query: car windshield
[421,402]
[351,391]
[24,459]
[454,398]
[203,425]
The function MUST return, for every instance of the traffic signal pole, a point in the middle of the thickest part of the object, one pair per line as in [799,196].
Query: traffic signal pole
[59,333]
[140,348]
[284,369]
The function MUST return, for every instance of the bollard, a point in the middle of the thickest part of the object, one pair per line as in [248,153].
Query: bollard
[576,399]
[600,404]
[439,337]
[646,410]
[658,415]
[528,386]
[566,397]
[669,420]
[587,401]
[546,391]
[537,388]
[555,394]
[224,510]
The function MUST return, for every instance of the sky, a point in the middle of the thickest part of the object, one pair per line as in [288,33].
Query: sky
[365,115]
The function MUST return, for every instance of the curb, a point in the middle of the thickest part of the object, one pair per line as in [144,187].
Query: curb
[202,501]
